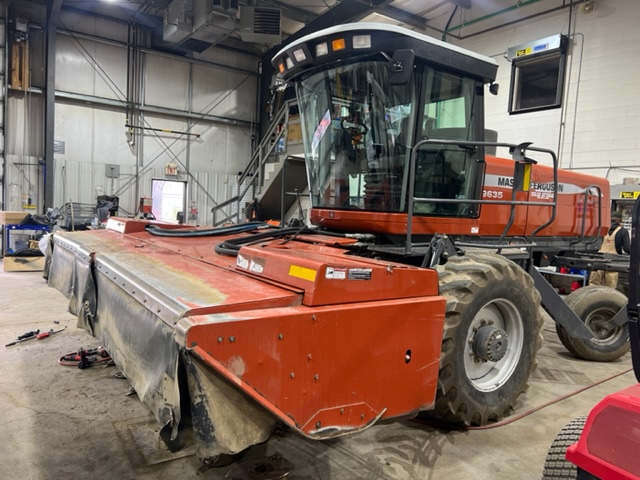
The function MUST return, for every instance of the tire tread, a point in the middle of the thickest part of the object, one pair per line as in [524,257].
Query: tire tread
[556,467]
[461,278]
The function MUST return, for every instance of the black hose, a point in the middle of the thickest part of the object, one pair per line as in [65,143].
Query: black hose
[26,252]
[231,247]
[210,232]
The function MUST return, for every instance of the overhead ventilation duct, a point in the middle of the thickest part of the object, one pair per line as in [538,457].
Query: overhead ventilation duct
[260,24]
[228,6]
[461,3]
[198,24]
[177,21]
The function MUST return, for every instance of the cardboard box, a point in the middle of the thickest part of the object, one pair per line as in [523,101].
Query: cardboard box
[294,131]
[23,264]
[11,218]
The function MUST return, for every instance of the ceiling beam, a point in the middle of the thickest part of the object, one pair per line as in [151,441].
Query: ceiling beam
[119,15]
[53,10]
[294,13]
[461,3]
[402,16]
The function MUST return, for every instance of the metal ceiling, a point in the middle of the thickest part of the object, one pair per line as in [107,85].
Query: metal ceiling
[439,18]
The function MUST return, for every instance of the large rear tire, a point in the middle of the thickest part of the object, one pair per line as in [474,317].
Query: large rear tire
[491,336]
[556,467]
[596,305]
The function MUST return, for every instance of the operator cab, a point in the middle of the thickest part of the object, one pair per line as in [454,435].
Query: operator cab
[367,94]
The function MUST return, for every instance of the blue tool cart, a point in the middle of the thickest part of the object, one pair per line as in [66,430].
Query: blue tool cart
[16,237]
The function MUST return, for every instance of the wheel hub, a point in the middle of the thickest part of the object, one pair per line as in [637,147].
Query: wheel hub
[490,343]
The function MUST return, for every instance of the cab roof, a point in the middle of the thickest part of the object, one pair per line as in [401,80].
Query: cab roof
[383,38]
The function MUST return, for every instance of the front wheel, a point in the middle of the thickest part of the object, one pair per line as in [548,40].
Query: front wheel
[556,466]
[596,305]
[491,336]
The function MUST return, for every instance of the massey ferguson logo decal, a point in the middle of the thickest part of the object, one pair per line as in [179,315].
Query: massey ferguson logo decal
[543,187]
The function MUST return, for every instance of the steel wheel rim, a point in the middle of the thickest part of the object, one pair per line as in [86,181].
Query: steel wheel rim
[488,376]
[595,322]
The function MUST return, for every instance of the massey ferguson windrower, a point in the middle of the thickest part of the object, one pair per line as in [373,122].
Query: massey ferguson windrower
[414,290]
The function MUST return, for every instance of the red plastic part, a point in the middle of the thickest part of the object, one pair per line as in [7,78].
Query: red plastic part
[610,442]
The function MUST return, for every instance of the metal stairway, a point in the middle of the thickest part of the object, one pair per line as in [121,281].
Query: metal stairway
[273,176]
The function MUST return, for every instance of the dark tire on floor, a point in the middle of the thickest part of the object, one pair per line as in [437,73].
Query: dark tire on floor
[556,467]
[596,305]
[565,339]
[489,298]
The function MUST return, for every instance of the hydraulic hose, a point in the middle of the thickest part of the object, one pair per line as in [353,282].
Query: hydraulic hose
[209,232]
[231,247]
[515,418]
[435,423]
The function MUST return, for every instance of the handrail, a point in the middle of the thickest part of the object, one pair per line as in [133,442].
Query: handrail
[228,219]
[515,150]
[220,206]
[223,204]
[587,193]
[254,170]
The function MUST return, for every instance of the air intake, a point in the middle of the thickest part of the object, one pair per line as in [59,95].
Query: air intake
[260,24]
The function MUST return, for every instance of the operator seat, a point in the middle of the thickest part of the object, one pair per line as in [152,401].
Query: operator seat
[436,178]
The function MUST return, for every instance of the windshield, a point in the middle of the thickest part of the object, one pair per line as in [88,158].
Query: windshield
[356,129]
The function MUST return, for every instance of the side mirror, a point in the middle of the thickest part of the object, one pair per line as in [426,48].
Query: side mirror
[401,67]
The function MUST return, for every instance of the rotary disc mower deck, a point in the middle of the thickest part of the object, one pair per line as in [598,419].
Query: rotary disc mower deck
[293,331]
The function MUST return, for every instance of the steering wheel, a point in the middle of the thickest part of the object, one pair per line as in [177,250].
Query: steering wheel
[353,128]
[357,131]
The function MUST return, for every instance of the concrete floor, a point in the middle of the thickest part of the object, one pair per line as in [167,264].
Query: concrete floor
[63,422]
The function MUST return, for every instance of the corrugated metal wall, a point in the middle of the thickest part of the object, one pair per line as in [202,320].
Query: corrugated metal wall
[214,102]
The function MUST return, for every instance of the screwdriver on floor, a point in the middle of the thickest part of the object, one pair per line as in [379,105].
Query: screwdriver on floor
[42,335]
[33,334]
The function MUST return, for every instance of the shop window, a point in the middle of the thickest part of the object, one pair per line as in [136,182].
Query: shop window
[537,79]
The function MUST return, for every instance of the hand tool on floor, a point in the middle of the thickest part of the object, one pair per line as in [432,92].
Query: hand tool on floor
[42,335]
[24,337]
[85,358]
[34,334]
